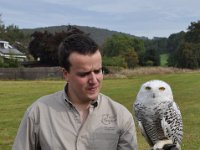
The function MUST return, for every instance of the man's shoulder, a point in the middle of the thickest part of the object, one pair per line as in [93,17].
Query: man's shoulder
[50,97]
[46,101]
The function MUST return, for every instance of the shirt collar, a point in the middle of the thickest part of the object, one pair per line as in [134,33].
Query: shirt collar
[93,103]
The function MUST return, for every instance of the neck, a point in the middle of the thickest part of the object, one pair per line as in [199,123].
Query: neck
[82,107]
[79,104]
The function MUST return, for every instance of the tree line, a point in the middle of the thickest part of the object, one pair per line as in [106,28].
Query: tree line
[119,49]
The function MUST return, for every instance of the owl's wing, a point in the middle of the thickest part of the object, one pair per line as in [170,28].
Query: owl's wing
[139,115]
[147,138]
[172,123]
[136,110]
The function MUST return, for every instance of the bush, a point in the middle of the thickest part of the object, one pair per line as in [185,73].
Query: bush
[9,63]
[114,61]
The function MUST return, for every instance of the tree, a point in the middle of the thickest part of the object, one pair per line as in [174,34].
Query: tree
[44,45]
[117,61]
[116,45]
[2,27]
[160,44]
[1,22]
[125,46]
[154,48]
[187,55]
[152,57]
[131,58]
[39,47]
[193,34]
[14,35]
[139,48]
[174,41]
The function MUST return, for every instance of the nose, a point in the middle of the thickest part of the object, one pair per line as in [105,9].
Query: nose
[92,78]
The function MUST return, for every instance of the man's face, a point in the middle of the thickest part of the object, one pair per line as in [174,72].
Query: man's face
[85,77]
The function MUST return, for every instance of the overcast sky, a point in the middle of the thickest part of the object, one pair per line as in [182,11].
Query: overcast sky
[150,18]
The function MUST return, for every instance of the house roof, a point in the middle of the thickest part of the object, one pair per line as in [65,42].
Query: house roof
[11,51]
[7,49]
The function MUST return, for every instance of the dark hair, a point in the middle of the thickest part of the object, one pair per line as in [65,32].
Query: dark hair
[76,41]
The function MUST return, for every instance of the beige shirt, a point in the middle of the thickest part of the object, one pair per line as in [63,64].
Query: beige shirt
[53,123]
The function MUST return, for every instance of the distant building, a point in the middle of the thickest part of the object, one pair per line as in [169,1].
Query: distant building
[8,52]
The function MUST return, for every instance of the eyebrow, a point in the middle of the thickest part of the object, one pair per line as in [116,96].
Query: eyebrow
[82,73]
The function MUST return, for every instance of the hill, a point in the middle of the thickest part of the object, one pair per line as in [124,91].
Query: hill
[98,34]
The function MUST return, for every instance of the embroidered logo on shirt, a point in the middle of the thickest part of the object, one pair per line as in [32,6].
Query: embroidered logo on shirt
[108,119]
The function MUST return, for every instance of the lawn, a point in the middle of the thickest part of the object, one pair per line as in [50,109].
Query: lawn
[16,96]
[163,59]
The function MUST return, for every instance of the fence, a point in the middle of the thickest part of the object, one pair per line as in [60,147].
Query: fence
[30,73]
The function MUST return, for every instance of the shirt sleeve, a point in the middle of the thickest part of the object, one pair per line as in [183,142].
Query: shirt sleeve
[27,135]
[128,138]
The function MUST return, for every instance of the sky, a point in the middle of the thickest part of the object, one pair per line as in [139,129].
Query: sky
[149,18]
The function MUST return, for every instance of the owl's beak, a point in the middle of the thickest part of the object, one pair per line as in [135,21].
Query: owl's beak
[154,95]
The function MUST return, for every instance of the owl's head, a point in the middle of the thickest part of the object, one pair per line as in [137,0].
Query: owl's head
[155,90]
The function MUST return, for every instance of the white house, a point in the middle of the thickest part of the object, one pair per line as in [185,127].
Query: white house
[8,52]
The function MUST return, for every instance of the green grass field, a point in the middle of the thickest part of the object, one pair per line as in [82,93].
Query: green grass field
[163,59]
[16,96]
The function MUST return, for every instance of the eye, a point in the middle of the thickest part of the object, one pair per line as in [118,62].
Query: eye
[161,88]
[148,88]
[98,71]
[83,74]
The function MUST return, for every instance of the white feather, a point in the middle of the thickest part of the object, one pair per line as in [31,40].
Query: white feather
[158,116]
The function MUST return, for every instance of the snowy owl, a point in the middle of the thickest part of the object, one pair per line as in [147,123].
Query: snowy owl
[158,116]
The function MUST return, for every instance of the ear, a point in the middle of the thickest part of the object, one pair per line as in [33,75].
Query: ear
[65,75]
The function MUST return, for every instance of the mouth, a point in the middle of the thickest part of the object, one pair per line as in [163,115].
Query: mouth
[92,89]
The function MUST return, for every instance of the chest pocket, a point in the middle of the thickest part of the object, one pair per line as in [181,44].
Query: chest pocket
[104,139]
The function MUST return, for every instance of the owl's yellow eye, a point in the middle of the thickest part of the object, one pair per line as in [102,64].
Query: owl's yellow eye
[161,88]
[148,88]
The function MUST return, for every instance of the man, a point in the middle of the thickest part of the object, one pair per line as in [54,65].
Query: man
[79,117]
